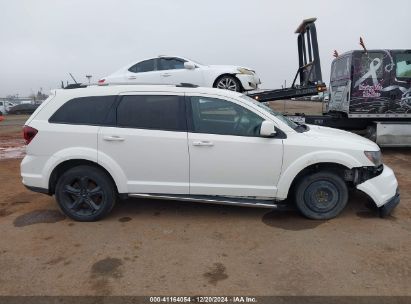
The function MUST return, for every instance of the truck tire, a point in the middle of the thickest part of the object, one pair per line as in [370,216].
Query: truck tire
[85,193]
[321,196]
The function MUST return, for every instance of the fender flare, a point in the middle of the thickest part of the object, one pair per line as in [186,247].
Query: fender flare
[86,154]
[291,172]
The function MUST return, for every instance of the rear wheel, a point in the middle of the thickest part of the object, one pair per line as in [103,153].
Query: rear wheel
[321,196]
[85,193]
[228,82]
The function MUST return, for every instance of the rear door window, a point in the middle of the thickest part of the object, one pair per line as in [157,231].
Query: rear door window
[155,112]
[143,66]
[91,110]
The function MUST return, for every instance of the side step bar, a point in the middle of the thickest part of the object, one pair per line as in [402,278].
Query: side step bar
[221,200]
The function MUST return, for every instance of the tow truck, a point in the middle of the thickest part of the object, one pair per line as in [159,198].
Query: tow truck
[369,91]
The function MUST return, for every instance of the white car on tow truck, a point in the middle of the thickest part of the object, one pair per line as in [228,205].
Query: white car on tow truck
[176,70]
[193,144]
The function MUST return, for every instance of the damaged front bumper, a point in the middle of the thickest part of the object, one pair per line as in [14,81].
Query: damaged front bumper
[383,190]
[386,209]
[249,82]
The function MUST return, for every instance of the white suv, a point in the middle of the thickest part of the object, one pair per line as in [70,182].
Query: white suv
[89,146]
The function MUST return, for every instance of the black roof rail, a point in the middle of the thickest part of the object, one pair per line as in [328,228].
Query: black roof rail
[186,85]
[75,86]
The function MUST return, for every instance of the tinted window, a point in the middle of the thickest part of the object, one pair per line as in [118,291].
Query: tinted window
[403,63]
[217,116]
[152,112]
[84,110]
[341,68]
[171,64]
[143,66]
[1,103]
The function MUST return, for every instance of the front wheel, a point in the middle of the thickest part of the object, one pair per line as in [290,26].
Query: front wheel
[321,196]
[85,193]
[228,82]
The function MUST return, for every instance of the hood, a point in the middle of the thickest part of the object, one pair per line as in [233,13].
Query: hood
[343,139]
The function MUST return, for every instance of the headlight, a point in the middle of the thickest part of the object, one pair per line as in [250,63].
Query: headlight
[374,157]
[245,71]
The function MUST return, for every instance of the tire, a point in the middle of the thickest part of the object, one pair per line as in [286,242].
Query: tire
[321,196]
[228,82]
[85,193]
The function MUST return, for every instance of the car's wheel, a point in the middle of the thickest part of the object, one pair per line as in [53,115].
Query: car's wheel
[321,196]
[228,82]
[85,193]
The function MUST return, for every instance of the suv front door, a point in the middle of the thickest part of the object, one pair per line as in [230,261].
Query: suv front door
[227,155]
[148,144]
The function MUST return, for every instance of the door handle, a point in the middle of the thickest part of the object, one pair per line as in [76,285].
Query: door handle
[203,143]
[132,77]
[166,74]
[113,138]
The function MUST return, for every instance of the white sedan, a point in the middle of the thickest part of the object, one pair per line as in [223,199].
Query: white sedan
[177,70]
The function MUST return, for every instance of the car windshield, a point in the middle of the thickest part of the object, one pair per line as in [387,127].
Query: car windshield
[281,117]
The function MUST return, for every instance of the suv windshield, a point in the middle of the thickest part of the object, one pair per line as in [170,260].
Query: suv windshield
[281,117]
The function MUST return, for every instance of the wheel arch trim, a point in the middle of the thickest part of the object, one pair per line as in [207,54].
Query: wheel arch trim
[292,171]
[81,154]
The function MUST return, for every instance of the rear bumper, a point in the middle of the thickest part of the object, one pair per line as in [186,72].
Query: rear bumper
[386,209]
[249,82]
[382,189]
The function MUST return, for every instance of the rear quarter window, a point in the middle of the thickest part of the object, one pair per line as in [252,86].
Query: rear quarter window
[91,110]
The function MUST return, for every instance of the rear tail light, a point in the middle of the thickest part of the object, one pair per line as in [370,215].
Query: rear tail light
[101,81]
[29,133]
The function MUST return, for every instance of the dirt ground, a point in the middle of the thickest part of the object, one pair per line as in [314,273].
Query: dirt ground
[152,247]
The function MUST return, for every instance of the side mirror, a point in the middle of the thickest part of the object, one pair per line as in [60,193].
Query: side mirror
[267,129]
[189,65]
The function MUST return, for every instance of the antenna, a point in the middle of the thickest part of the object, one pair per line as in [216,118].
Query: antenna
[72,77]
[363,45]
[335,54]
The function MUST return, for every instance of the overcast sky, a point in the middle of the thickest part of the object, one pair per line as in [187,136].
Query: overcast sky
[41,41]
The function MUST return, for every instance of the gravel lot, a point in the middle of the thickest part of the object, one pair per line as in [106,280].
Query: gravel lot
[150,247]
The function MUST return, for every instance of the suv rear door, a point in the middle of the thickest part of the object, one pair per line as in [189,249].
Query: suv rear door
[147,146]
